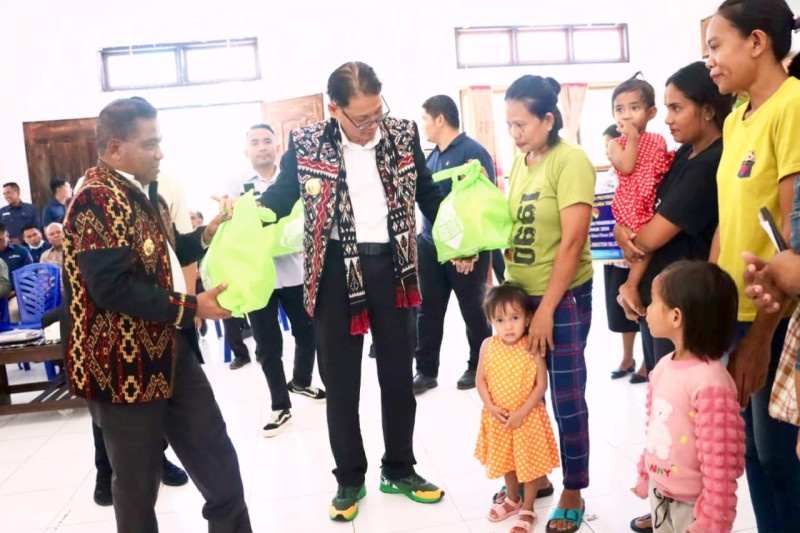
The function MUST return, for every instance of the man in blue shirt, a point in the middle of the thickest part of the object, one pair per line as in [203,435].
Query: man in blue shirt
[15,255]
[55,210]
[436,280]
[34,242]
[17,214]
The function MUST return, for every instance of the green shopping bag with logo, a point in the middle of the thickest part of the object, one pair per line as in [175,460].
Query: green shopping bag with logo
[286,235]
[231,258]
[474,217]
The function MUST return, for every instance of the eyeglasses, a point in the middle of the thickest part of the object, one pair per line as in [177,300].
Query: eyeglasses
[366,125]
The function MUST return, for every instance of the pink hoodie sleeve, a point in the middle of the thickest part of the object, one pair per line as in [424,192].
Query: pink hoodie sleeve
[719,429]
[643,480]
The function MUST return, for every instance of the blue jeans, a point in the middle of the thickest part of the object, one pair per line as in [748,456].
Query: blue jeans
[772,466]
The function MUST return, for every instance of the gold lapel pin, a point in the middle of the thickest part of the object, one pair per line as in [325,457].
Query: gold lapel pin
[313,186]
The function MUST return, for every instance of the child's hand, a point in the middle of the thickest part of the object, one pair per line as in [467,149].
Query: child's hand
[627,129]
[515,419]
[498,412]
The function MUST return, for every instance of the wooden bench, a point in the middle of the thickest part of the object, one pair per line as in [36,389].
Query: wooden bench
[55,394]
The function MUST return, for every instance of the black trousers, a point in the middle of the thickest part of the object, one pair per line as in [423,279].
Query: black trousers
[340,366]
[614,277]
[499,265]
[233,336]
[101,461]
[269,343]
[436,282]
[192,423]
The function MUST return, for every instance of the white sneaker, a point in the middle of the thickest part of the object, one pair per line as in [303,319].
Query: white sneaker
[277,423]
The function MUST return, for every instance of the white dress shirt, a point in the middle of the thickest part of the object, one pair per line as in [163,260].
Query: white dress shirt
[178,281]
[370,208]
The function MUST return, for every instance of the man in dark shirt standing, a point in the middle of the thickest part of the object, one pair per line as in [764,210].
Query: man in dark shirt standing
[15,255]
[54,211]
[34,242]
[17,214]
[436,280]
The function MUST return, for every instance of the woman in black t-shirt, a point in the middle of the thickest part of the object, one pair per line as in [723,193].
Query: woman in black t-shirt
[686,213]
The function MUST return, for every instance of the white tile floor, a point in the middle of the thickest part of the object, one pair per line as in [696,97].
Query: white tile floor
[47,470]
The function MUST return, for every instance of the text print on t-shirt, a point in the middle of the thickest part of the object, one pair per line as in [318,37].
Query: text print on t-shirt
[526,233]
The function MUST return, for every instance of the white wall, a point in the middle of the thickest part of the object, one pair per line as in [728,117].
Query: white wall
[50,65]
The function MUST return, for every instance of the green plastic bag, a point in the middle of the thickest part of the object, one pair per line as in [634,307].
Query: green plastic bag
[286,235]
[231,258]
[474,217]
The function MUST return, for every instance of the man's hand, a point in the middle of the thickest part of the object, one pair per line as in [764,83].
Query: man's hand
[748,366]
[213,226]
[207,306]
[226,204]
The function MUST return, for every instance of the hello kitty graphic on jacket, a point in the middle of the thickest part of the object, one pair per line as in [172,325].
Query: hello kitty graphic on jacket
[659,439]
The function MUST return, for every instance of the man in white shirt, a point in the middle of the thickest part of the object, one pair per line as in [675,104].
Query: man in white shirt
[360,175]
[261,150]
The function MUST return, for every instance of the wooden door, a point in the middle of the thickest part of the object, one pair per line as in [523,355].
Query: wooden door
[58,149]
[286,115]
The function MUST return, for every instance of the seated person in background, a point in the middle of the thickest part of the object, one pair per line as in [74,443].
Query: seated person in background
[55,236]
[5,281]
[34,242]
[14,255]
[17,214]
[197,218]
[57,208]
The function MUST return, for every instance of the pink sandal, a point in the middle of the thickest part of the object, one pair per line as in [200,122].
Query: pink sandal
[500,511]
[522,524]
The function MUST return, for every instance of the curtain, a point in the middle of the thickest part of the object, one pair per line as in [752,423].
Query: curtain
[478,117]
[571,99]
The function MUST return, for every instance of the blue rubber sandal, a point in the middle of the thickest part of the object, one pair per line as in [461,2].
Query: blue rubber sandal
[541,493]
[574,516]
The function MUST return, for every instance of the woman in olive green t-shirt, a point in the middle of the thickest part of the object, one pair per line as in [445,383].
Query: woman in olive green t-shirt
[551,193]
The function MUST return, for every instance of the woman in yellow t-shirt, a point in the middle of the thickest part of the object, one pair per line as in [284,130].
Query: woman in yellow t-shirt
[551,190]
[747,40]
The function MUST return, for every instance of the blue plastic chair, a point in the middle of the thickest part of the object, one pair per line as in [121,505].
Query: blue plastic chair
[38,288]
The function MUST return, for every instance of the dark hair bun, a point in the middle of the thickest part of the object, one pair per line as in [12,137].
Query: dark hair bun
[554,84]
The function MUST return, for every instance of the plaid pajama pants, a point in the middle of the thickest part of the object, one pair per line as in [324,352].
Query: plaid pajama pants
[566,366]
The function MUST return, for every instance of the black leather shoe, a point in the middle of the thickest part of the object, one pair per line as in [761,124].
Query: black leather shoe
[102,491]
[239,362]
[466,381]
[172,475]
[423,383]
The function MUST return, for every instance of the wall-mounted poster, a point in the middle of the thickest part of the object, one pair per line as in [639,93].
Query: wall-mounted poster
[703,45]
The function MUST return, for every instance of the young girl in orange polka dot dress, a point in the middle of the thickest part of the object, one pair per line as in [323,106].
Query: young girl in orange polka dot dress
[516,438]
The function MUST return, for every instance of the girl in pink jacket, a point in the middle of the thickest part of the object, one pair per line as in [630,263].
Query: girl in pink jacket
[695,435]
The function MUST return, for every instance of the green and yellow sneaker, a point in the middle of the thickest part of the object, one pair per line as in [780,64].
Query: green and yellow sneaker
[413,486]
[344,506]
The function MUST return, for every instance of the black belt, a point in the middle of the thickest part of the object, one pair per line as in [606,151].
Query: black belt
[365,248]
[374,248]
